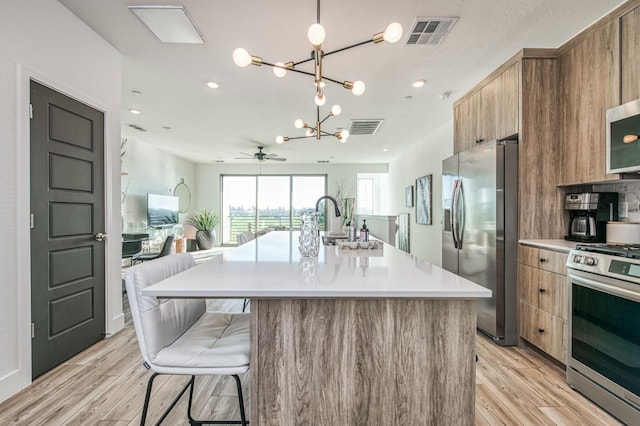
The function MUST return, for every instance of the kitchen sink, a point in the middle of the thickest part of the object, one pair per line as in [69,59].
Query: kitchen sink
[331,240]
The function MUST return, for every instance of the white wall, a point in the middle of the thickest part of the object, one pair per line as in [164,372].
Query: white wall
[420,159]
[208,177]
[151,170]
[42,40]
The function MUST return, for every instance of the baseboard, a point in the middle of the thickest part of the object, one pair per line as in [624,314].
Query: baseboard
[10,385]
[116,324]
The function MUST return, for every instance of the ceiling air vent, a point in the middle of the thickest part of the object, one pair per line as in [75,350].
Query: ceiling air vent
[364,127]
[430,31]
[135,126]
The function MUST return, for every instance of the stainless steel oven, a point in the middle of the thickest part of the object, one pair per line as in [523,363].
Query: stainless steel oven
[604,327]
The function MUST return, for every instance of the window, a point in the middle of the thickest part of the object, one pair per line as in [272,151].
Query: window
[267,202]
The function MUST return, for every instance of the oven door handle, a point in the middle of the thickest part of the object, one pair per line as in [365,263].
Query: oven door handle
[606,288]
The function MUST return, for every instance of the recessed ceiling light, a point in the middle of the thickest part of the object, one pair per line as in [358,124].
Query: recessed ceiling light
[385,149]
[171,24]
[135,111]
[418,83]
[136,92]
[213,85]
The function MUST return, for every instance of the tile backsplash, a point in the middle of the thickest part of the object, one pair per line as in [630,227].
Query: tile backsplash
[629,193]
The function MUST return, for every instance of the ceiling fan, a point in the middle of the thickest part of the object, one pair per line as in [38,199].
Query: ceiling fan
[261,156]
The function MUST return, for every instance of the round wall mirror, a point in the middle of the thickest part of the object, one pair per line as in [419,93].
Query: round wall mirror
[184,196]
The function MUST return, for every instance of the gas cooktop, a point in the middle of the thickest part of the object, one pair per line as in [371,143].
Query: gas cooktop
[625,250]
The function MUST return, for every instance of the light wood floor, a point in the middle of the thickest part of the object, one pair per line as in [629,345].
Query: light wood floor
[105,385]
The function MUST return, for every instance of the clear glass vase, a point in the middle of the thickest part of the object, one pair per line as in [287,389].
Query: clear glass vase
[309,235]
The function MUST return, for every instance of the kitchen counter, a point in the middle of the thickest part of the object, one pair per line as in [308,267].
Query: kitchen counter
[557,245]
[271,266]
[374,337]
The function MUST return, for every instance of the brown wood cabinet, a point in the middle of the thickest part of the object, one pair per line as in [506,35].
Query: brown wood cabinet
[490,112]
[630,55]
[589,85]
[542,289]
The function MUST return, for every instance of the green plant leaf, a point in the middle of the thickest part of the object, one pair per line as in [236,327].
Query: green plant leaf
[203,220]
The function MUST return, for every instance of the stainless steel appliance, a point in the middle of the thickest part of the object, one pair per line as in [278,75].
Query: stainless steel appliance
[480,230]
[589,214]
[604,327]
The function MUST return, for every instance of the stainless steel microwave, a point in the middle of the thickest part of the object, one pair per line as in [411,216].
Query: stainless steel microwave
[623,138]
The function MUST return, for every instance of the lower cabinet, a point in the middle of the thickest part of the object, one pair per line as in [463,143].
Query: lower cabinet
[543,308]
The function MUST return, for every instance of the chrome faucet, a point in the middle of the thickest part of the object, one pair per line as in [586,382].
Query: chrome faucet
[330,198]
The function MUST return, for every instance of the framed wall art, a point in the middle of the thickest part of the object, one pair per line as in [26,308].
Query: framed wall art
[408,196]
[403,232]
[423,200]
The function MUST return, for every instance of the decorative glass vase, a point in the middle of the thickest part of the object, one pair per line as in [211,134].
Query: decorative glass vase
[309,235]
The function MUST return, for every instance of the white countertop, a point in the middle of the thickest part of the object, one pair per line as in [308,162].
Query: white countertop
[557,245]
[271,267]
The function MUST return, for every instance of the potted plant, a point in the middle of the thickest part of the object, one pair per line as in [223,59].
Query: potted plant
[204,221]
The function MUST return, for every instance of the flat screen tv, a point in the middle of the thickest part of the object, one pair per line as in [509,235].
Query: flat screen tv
[162,210]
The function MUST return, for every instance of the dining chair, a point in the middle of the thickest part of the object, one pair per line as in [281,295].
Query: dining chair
[166,249]
[179,336]
[243,238]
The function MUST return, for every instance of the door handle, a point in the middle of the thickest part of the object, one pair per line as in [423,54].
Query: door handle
[100,237]
[461,213]
[452,213]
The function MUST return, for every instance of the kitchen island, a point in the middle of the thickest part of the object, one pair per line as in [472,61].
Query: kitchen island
[350,337]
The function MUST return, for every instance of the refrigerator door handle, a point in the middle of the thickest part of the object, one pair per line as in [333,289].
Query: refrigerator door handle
[454,213]
[460,213]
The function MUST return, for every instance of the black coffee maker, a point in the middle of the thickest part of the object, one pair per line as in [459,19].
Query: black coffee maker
[589,213]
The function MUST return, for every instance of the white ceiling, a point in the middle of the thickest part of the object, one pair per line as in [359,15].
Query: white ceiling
[252,106]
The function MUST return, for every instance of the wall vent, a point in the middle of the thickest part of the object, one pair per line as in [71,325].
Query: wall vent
[135,126]
[430,31]
[364,127]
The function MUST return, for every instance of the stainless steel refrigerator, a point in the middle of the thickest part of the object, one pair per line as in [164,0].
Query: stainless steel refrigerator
[480,230]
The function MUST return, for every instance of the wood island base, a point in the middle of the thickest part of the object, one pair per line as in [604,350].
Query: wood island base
[362,362]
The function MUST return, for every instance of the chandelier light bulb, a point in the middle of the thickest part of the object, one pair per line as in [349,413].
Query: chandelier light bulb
[629,138]
[299,124]
[336,110]
[393,33]
[344,135]
[316,34]
[358,88]
[279,72]
[310,132]
[320,99]
[279,139]
[241,57]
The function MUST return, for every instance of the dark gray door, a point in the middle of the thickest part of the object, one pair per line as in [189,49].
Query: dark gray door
[67,204]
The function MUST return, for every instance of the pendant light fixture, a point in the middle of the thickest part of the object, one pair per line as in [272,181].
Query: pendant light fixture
[316,35]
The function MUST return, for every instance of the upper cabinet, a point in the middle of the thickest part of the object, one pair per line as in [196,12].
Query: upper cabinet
[589,85]
[630,55]
[491,112]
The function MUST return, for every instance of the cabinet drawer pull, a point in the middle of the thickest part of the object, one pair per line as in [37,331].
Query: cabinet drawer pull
[479,140]
[541,330]
[542,290]
[542,260]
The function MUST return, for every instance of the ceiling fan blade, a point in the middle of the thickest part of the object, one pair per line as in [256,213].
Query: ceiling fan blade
[248,155]
[244,158]
[270,155]
[276,159]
